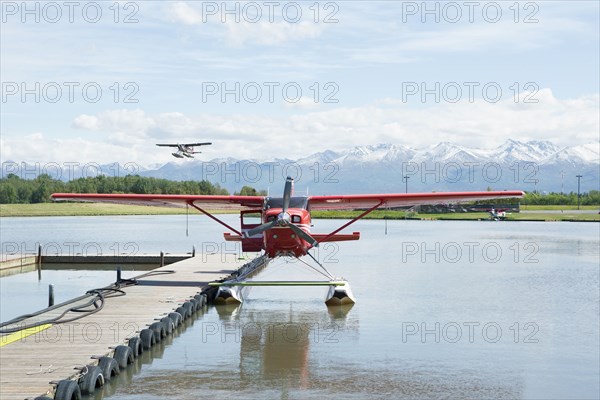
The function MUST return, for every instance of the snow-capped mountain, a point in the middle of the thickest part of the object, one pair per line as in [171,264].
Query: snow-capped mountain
[583,154]
[533,165]
[534,151]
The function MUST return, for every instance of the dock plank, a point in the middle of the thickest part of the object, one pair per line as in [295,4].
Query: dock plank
[28,365]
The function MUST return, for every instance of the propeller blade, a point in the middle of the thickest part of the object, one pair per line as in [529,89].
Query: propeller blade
[259,229]
[287,193]
[313,242]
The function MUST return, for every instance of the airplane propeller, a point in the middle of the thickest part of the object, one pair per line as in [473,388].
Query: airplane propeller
[283,219]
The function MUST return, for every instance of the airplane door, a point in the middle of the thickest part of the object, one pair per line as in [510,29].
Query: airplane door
[251,219]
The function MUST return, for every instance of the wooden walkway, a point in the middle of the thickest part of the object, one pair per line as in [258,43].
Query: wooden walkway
[14,264]
[29,364]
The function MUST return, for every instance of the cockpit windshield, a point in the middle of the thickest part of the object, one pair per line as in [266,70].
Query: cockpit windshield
[295,202]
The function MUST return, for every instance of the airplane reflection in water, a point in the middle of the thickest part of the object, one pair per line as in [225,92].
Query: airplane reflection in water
[273,351]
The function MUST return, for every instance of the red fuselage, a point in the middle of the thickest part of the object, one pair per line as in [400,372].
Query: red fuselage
[282,240]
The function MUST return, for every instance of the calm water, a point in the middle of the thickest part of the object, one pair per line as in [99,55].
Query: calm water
[444,309]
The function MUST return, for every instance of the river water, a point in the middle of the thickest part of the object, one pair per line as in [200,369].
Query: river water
[444,310]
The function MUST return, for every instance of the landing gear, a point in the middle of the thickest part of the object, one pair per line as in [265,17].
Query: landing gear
[234,291]
[339,295]
[229,295]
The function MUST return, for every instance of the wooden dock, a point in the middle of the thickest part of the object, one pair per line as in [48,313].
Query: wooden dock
[16,264]
[29,363]
[10,265]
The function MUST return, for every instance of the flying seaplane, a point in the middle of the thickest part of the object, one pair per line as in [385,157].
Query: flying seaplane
[285,228]
[185,149]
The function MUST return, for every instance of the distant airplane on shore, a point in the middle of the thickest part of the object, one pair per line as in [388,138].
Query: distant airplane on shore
[184,149]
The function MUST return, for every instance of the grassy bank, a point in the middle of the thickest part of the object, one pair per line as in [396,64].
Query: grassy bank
[547,207]
[82,209]
[538,216]
[90,209]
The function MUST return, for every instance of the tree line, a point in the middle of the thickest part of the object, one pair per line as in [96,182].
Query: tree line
[14,190]
[591,198]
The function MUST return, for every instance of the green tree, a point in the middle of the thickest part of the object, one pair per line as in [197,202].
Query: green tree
[8,193]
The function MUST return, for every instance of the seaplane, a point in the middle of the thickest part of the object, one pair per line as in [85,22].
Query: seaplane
[284,228]
[497,215]
[184,149]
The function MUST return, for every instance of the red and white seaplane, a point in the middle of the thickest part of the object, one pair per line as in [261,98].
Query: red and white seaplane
[285,225]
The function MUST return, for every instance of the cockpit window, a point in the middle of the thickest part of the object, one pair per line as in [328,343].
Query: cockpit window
[295,202]
[296,219]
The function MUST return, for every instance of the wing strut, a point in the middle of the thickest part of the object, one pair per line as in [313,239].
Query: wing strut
[191,203]
[352,221]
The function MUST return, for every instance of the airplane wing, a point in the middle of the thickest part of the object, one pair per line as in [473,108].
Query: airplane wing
[167,145]
[364,201]
[196,144]
[213,203]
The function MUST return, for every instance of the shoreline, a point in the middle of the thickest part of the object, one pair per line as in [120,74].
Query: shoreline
[528,213]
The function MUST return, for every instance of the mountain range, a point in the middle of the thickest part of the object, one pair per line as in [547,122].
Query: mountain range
[532,165]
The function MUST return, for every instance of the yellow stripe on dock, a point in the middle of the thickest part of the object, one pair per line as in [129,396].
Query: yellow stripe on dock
[22,334]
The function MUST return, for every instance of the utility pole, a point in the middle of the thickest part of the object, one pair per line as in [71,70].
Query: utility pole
[578,187]
[562,182]
[406,182]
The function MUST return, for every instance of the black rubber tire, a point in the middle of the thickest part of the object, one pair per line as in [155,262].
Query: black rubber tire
[183,311]
[109,367]
[147,337]
[67,390]
[176,318]
[168,325]
[123,355]
[189,307]
[135,343]
[195,305]
[159,331]
[202,299]
[91,380]
[43,398]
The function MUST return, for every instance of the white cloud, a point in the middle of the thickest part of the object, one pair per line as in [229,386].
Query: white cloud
[182,12]
[134,123]
[239,29]
[270,33]
[87,122]
[304,103]
[39,148]
[480,124]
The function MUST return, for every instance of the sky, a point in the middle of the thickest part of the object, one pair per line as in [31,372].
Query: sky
[105,81]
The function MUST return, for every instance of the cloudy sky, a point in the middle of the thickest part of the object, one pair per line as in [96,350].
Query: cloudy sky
[105,81]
